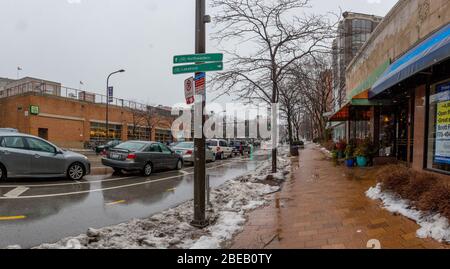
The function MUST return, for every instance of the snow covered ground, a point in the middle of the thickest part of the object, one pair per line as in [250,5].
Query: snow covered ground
[171,228]
[432,225]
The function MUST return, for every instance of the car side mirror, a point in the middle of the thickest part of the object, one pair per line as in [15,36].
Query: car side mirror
[59,151]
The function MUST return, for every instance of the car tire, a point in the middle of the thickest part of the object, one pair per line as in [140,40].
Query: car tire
[148,170]
[179,165]
[2,173]
[76,171]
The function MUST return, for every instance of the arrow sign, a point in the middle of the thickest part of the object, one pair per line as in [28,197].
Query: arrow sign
[198,58]
[197,68]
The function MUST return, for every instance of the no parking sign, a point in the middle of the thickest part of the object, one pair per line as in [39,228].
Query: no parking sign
[189,90]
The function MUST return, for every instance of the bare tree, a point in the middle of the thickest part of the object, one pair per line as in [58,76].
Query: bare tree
[137,120]
[314,81]
[271,38]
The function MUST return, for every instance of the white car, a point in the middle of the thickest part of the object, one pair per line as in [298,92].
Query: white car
[220,148]
[186,149]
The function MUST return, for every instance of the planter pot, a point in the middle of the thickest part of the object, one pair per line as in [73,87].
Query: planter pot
[350,163]
[361,161]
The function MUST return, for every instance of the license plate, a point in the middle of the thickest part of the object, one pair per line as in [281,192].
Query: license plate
[114,156]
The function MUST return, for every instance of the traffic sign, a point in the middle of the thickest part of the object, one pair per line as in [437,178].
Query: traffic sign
[189,90]
[197,68]
[198,58]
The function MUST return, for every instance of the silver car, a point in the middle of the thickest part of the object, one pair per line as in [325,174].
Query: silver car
[142,156]
[29,156]
[186,149]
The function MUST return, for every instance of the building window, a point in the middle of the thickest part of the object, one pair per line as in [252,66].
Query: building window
[438,157]
[163,135]
[139,133]
[98,132]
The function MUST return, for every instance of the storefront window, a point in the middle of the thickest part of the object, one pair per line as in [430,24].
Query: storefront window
[387,134]
[98,132]
[138,133]
[163,135]
[438,157]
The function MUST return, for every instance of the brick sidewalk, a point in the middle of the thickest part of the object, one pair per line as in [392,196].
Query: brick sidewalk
[324,206]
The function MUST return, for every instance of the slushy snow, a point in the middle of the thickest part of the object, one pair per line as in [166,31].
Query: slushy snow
[171,228]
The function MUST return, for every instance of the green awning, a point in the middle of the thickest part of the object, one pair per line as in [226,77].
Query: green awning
[366,102]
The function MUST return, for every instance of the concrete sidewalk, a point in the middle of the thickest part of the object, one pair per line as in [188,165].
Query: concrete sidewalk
[324,206]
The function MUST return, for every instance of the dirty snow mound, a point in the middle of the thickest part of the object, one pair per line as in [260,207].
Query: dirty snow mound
[432,225]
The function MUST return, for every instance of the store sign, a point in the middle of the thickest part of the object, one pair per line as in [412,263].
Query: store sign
[34,110]
[442,143]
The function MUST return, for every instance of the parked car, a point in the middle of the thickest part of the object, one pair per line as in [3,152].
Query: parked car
[220,148]
[240,147]
[142,156]
[8,130]
[186,149]
[103,148]
[23,155]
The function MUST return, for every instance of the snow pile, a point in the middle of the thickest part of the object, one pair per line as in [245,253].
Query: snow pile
[171,228]
[432,225]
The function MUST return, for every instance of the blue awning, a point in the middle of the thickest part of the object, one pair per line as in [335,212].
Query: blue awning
[433,50]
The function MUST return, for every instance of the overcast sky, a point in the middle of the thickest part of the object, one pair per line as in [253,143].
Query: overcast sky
[69,41]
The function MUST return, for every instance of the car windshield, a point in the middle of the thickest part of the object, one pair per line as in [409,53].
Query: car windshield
[211,143]
[185,145]
[131,146]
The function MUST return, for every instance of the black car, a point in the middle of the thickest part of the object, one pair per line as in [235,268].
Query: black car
[107,146]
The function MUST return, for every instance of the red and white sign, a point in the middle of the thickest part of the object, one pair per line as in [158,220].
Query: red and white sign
[189,89]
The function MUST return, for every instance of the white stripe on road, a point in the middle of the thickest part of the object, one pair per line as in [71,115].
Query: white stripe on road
[102,180]
[16,192]
[148,181]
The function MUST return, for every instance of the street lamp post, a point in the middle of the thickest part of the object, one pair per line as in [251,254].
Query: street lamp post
[107,102]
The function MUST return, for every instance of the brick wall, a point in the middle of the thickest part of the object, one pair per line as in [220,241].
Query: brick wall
[67,121]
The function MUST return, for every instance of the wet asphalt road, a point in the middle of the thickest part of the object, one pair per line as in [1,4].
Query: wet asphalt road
[43,211]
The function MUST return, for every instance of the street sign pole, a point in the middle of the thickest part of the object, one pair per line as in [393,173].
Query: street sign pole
[199,142]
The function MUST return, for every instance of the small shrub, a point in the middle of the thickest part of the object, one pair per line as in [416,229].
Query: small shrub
[436,200]
[419,184]
[394,178]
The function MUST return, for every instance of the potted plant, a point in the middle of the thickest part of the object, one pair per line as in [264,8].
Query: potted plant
[361,154]
[349,158]
[341,146]
[334,155]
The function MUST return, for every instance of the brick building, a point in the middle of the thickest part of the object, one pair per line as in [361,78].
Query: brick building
[399,86]
[73,118]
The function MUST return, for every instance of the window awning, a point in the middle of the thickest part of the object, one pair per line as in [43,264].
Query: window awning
[433,50]
[360,100]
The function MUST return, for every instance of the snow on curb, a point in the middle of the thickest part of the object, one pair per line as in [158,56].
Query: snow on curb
[432,225]
[171,229]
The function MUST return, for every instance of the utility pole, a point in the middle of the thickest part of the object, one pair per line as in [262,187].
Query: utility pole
[200,220]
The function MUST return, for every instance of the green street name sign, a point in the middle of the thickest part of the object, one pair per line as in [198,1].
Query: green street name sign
[197,68]
[198,58]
